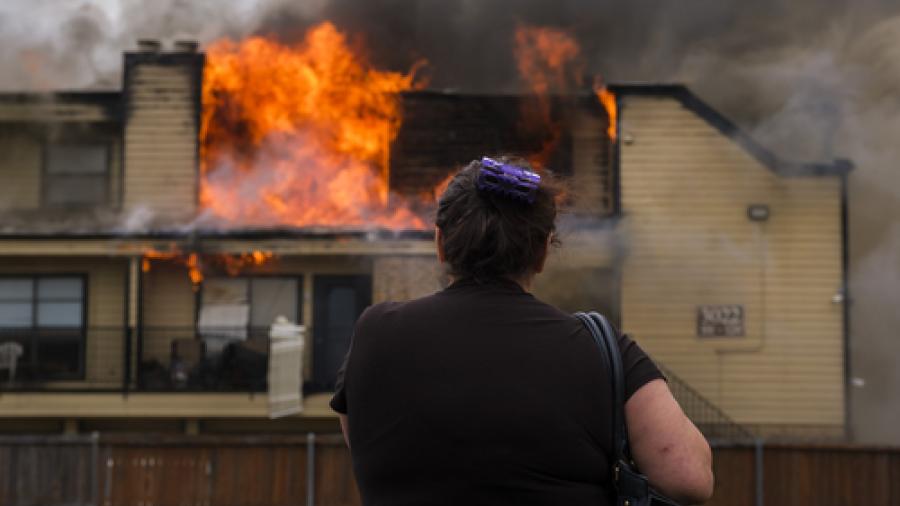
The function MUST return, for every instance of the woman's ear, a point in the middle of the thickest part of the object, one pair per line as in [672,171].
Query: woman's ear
[439,244]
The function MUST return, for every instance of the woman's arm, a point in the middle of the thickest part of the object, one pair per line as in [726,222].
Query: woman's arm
[666,446]
[345,428]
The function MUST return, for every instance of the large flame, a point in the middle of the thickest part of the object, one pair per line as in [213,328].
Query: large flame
[548,62]
[547,59]
[299,135]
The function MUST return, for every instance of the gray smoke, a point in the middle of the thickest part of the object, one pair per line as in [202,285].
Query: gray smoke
[811,79]
[53,44]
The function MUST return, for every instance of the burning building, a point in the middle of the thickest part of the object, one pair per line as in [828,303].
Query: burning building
[151,236]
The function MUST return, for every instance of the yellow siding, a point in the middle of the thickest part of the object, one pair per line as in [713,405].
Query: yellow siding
[685,192]
[106,309]
[20,170]
[161,140]
[168,303]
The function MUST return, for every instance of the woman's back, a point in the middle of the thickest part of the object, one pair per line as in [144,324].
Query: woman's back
[480,394]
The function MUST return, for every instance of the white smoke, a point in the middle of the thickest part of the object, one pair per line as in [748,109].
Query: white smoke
[60,44]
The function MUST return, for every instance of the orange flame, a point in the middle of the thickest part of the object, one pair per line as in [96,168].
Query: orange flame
[235,264]
[608,100]
[232,264]
[545,58]
[299,135]
[548,61]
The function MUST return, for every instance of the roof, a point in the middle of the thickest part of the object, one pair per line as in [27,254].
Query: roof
[110,102]
[767,158]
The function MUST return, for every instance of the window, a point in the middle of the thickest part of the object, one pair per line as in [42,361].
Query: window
[45,315]
[76,174]
[236,306]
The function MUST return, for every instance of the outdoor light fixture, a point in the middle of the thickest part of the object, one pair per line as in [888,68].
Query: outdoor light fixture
[758,212]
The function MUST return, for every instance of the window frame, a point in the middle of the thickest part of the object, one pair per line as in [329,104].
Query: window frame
[299,278]
[47,176]
[33,332]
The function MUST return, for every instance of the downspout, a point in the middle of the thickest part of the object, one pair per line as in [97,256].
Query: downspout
[845,262]
[133,332]
[127,334]
[759,472]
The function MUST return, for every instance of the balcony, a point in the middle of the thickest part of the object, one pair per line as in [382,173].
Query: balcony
[119,359]
[227,359]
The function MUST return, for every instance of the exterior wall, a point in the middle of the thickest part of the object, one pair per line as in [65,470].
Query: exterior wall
[22,165]
[403,278]
[685,192]
[168,301]
[591,164]
[105,310]
[20,169]
[161,129]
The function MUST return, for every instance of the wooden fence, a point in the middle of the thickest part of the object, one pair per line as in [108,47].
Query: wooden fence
[274,471]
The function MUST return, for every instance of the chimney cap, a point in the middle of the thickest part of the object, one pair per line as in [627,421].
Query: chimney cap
[186,46]
[149,45]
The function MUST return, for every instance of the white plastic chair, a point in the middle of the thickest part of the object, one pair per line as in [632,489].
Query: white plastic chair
[9,357]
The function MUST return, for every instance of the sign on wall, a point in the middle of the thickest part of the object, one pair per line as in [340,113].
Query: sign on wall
[721,320]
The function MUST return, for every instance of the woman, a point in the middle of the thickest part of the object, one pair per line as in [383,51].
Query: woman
[483,394]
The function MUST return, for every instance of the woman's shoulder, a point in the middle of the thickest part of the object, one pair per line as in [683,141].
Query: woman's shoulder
[384,312]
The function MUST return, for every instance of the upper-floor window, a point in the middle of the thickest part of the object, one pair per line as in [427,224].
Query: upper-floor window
[44,316]
[76,174]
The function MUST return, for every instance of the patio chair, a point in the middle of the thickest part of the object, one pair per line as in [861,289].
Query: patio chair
[9,357]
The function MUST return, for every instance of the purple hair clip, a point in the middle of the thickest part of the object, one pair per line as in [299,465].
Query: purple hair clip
[508,180]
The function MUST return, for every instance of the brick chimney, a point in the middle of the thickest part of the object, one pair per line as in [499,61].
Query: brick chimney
[161,93]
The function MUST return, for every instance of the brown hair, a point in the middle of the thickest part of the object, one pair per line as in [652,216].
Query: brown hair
[488,236]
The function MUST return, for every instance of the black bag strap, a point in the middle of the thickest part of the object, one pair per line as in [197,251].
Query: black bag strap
[628,481]
[605,337]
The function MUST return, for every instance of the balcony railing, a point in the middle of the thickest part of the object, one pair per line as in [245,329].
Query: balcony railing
[121,359]
[227,359]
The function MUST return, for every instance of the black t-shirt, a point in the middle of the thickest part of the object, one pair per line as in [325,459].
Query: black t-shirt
[480,394]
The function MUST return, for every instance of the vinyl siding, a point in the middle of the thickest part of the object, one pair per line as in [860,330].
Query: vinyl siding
[20,170]
[685,193]
[169,302]
[161,140]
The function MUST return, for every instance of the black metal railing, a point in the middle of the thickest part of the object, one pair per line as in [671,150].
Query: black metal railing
[127,360]
[187,359]
[60,358]
[712,421]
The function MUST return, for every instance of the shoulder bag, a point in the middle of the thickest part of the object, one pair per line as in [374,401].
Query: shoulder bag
[631,487]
